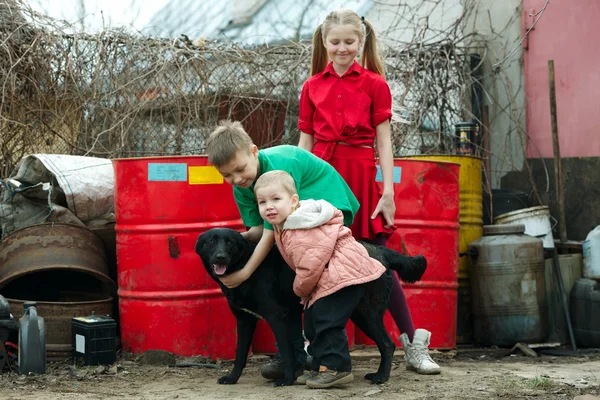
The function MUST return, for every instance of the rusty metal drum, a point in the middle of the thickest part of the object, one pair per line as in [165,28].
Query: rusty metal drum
[508,287]
[53,247]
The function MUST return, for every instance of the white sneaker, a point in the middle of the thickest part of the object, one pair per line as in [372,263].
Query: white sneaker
[417,356]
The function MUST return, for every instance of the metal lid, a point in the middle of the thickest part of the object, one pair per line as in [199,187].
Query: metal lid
[503,229]
[529,211]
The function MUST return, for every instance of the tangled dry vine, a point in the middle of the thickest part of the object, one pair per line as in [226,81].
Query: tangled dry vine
[117,93]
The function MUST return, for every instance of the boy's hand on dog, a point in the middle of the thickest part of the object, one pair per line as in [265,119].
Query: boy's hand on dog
[235,279]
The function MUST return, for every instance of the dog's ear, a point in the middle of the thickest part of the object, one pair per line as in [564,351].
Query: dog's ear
[244,249]
[200,243]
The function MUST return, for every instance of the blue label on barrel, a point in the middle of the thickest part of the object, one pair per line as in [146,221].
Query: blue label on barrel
[397,174]
[167,172]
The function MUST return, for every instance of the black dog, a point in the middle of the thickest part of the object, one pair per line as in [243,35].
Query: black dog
[268,294]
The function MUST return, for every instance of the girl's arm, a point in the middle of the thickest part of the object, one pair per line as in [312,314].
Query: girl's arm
[386,205]
[260,253]
[306,141]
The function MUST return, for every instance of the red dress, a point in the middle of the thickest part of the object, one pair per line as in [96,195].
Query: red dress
[341,113]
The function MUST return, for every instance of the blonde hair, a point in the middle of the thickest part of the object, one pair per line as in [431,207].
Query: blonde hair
[370,57]
[225,141]
[276,177]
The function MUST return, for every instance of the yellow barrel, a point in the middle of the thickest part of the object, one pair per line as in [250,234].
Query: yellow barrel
[471,229]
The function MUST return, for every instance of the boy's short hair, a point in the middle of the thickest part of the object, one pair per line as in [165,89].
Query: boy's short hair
[225,141]
[278,177]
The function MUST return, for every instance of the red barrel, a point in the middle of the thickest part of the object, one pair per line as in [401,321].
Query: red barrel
[427,211]
[167,301]
[264,339]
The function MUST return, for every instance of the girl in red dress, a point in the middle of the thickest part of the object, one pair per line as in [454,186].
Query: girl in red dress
[345,112]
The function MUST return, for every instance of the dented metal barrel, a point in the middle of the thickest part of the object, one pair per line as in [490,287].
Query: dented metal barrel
[52,247]
[426,194]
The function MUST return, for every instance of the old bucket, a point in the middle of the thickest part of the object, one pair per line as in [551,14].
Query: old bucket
[536,221]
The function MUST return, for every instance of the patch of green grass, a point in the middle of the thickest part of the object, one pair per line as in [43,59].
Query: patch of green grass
[539,382]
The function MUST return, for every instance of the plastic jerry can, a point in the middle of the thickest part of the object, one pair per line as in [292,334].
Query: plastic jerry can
[32,341]
[585,307]
[591,254]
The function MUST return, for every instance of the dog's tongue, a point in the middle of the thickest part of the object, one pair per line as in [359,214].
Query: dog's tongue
[219,269]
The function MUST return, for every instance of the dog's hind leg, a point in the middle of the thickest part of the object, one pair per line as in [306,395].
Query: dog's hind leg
[246,325]
[297,338]
[371,323]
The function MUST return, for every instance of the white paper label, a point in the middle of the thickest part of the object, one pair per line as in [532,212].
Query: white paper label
[528,287]
[79,344]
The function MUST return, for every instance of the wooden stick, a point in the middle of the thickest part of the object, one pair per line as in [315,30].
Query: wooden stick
[560,195]
[561,203]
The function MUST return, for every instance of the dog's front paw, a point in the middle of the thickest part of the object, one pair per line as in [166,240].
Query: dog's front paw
[228,380]
[376,378]
[283,382]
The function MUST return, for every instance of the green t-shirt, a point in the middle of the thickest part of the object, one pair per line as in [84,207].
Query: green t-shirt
[315,179]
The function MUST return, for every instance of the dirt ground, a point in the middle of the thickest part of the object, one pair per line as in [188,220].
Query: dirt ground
[467,374]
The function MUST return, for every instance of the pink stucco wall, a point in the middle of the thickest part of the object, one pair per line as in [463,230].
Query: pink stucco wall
[569,33]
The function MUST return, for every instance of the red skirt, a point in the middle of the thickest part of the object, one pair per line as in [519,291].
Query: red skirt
[357,166]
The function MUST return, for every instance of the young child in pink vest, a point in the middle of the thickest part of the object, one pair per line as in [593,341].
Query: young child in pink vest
[330,266]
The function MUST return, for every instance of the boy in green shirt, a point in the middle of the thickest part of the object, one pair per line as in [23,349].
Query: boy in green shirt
[231,150]
[238,160]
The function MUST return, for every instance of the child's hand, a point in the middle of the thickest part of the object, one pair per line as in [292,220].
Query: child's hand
[235,279]
[387,208]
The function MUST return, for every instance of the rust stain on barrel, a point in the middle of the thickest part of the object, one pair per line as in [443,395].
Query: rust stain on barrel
[174,251]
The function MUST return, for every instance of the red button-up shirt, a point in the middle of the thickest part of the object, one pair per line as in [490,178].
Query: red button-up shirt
[344,108]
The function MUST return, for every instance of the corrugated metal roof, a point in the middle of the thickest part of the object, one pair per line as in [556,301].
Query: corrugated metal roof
[275,21]
[191,17]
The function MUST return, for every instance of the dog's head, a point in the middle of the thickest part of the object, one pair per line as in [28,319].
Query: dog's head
[223,251]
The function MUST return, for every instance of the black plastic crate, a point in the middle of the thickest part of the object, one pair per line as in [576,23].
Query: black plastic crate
[94,340]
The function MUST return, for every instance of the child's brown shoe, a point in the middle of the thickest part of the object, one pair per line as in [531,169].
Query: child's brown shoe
[328,378]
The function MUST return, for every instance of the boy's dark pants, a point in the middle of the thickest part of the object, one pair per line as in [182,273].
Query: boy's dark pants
[324,324]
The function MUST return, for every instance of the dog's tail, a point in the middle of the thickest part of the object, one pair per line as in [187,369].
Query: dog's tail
[409,269]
